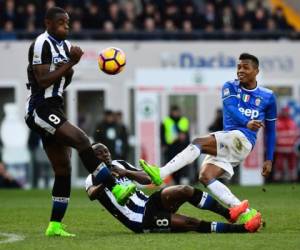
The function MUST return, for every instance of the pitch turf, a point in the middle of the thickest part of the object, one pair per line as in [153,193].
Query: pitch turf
[25,214]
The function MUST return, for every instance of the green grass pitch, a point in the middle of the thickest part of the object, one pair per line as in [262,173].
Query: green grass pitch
[25,214]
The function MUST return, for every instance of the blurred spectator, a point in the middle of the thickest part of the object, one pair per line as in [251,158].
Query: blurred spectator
[217,124]
[122,146]
[174,138]
[285,167]
[106,132]
[6,180]
[146,15]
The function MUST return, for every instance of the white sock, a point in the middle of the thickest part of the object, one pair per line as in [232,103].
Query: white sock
[185,157]
[223,193]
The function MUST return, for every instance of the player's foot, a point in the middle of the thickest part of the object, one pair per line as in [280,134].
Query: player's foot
[245,217]
[57,229]
[153,171]
[236,211]
[253,224]
[122,193]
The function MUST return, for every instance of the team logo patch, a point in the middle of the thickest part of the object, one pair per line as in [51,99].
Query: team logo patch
[257,101]
[246,98]
[226,92]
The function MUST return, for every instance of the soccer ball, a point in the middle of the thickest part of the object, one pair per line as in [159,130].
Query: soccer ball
[112,60]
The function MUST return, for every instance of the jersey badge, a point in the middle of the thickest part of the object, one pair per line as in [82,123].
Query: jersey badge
[257,101]
[246,98]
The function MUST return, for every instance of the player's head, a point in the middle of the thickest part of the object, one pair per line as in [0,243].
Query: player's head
[247,68]
[102,153]
[57,22]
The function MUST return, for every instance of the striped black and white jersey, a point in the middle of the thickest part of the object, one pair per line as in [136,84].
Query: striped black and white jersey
[131,215]
[46,50]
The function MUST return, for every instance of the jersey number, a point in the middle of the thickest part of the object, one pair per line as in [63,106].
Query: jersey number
[53,118]
[162,222]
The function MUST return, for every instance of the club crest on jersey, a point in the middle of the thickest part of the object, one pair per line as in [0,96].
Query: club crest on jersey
[257,101]
[226,92]
[246,98]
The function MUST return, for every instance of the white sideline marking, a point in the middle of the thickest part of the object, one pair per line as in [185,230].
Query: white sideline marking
[11,238]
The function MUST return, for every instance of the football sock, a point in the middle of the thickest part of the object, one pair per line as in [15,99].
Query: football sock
[103,175]
[223,193]
[185,157]
[204,201]
[60,197]
[99,170]
[220,227]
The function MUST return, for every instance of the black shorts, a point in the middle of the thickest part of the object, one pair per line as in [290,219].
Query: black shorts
[156,217]
[46,118]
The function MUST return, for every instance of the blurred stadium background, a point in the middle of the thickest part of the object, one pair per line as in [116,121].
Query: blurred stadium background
[178,52]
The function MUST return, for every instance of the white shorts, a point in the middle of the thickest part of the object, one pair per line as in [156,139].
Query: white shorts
[232,148]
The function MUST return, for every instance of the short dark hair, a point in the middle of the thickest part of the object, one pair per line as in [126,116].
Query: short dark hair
[247,56]
[52,12]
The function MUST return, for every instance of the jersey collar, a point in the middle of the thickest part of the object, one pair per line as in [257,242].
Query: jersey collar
[54,40]
[249,90]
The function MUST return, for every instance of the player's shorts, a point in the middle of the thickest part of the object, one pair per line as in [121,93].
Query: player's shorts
[232,148]
[156,218]
[46,119]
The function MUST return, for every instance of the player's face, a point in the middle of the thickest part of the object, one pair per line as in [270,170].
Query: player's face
[246,71]
[59,26]
[102,153]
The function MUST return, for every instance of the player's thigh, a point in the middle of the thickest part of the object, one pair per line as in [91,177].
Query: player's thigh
[70,135]
[59,156]
[182,223]
[173,197]
[208,144]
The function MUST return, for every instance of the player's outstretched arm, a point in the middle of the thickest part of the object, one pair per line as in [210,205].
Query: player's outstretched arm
[138,176]
[45,78]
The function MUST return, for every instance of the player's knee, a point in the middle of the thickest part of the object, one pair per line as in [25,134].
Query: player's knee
[82,141]
[204,178]
[185,190]
[197,142]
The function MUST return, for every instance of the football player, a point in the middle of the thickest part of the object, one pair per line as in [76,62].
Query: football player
[246,108]
[158,212]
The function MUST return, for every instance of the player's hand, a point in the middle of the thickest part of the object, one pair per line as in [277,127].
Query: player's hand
[119,172]
[267,168]
[75,54]
[70,71]
[255,125]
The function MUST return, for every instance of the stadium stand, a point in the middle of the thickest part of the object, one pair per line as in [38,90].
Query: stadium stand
[153,19]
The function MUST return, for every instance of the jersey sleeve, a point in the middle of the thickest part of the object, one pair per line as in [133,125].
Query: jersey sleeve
[271,116]
[271,111]
[228,91]
[41,53]
[125,164]
[88,182]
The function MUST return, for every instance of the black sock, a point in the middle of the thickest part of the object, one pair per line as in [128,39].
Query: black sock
[204,227]
[220,227]
[204,201]
[60,197]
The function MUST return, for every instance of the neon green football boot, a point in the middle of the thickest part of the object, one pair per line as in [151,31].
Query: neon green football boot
[57,229]
[247,216]
[153,171]
[122,193]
